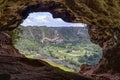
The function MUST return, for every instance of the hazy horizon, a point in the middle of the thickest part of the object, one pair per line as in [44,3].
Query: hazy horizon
[46,19]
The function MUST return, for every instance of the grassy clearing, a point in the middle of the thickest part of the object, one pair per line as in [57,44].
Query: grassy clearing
[32,56]
[77,55]
[58,65]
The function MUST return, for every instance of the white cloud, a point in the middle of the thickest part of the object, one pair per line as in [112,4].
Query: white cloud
[45,18]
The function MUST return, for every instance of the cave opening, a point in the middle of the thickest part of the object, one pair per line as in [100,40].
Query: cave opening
[101,16]
[61,44]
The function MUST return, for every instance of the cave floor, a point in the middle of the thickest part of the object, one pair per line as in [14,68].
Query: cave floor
[19,68]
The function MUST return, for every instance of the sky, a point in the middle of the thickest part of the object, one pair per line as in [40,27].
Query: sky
[46,19]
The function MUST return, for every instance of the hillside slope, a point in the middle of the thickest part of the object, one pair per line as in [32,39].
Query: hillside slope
[67,46]
[55,34]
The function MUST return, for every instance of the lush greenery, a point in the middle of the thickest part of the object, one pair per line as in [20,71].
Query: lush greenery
[75,49]
[16,34]
[75,55]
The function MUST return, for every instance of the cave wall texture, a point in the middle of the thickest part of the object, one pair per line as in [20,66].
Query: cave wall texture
[102,17]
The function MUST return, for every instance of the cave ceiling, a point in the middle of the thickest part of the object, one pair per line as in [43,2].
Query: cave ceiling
[102,13]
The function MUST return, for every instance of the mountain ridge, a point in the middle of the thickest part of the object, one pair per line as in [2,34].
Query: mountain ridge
[68,46]
[55,34]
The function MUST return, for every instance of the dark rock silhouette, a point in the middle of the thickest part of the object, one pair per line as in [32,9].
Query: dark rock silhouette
[6,46]
[5,76]
[16,68]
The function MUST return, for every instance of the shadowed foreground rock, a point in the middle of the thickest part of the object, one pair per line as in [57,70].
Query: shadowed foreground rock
[16,68]
[6,45]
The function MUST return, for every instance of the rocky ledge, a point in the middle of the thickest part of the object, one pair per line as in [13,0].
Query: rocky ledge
[17,68]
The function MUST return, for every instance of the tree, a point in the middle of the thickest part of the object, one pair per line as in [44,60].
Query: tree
[16,33]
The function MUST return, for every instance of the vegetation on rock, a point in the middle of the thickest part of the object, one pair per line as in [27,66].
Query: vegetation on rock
[16,34]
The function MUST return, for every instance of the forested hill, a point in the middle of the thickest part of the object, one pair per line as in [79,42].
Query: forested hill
[68,46]
[55,34]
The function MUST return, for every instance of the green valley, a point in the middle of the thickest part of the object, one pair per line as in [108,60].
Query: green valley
[64,47]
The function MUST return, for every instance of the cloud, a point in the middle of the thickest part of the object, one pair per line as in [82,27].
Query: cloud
[46,19]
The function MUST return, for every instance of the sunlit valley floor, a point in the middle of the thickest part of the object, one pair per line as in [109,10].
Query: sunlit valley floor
[64,47]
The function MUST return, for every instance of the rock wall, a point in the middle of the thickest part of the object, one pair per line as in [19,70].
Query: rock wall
[102,17]
[6,46]
[108,39]
[102,13]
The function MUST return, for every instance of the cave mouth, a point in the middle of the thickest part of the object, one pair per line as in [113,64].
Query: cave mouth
[61,44]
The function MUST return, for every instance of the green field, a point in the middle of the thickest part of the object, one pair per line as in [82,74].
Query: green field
[74,55]
[75,49]
[51,63]
[77,55]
